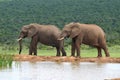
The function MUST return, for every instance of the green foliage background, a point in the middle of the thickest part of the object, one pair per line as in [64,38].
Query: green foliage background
[16,13]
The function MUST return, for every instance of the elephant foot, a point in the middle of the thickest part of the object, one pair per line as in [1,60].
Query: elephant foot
[30,54]
[72,55]
[58,55]
[99,56]
[64,55]
[35,54]
[107,55]
[78,56]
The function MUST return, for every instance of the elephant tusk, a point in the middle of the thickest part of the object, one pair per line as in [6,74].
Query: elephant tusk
[19,39]
[61,38]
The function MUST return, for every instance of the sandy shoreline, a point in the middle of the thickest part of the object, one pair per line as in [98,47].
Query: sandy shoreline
[65,59]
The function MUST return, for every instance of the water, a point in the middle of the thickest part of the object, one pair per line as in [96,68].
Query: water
[60,71]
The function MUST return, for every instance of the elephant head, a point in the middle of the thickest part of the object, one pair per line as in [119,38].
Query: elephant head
[70,30]
[26,31]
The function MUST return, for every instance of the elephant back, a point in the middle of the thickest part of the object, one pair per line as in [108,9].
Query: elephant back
[48,34]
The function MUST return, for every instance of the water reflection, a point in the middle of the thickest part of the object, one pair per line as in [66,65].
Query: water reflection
[60,71]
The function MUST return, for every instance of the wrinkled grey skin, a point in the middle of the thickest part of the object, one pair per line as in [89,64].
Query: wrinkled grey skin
[45,34]
[89,34]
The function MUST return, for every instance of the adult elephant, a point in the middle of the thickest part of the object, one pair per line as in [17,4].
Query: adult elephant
[89,34]
[45,34]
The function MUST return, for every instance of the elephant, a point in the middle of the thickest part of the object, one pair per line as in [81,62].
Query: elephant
[45,34]
[89,34]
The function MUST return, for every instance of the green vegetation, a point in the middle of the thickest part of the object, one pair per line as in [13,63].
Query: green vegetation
[16,13]
[5,60]
[86,51]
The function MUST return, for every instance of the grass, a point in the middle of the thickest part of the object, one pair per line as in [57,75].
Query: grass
[85,51]
[6,54]
[5,60]
[92,52]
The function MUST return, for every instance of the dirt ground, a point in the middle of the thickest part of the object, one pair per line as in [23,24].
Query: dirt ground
[65,59]
[113,79]
[116,79]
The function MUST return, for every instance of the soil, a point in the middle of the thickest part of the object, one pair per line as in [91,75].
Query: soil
[116,79]
[65,59]
[113,79]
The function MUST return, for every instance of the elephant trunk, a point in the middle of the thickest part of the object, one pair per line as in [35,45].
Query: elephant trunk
[62,36]
[20,44]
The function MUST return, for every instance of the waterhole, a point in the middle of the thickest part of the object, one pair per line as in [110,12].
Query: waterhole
[60,71]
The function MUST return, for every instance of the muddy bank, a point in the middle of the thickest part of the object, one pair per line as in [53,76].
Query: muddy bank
[113,79]
[64,59]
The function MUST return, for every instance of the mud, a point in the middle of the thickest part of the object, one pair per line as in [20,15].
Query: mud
[65,59]
[113,79]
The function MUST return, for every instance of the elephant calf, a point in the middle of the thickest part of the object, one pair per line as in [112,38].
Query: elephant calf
[89,34]
[45,34]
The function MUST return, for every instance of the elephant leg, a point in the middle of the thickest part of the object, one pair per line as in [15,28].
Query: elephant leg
[58,51]
[33,46]
[35,49]
[106,51]
[73,48]
[99,52]
[104,47]
[30,49]
[78,50]
[61,47]
[77,44]
[63,52]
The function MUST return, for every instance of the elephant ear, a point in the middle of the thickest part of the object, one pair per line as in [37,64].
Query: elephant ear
[32,30]
[75,31]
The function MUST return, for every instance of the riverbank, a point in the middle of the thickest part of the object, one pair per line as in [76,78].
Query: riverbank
[65,59]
